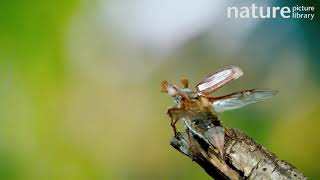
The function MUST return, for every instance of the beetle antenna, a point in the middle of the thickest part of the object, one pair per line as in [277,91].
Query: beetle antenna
[185,82]
[163,86]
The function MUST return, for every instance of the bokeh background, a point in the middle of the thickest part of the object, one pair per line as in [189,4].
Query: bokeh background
[79,84]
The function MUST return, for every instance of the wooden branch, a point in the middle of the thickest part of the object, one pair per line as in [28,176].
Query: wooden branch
[244,158]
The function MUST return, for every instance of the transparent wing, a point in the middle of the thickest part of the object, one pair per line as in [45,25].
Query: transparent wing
[240,99]
[218,79]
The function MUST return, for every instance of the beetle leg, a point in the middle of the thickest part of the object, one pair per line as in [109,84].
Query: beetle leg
[189,137]
[172,112]
[173,125]
[190,143]
[176,114]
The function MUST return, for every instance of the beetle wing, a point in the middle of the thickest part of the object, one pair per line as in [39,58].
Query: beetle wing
[218,79]
[215,136]
[240,99]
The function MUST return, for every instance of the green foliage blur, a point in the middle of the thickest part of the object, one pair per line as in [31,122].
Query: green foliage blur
[80,100]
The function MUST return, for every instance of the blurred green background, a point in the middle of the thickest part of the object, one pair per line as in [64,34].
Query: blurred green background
[79,85]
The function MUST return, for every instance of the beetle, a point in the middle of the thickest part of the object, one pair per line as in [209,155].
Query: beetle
[198,110]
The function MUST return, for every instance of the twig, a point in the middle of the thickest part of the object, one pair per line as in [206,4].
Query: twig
[244,158]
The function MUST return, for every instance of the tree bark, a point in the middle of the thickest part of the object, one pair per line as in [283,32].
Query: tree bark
[243,159]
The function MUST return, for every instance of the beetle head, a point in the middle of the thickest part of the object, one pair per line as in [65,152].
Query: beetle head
[173,90]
